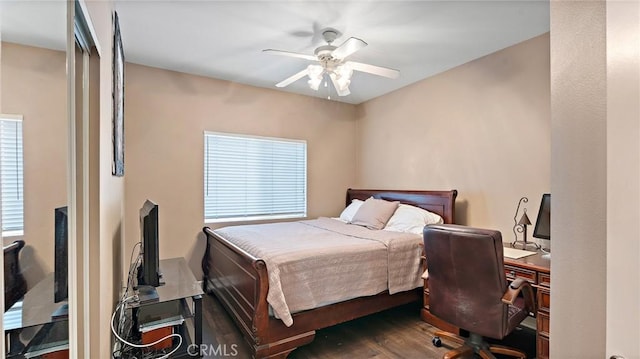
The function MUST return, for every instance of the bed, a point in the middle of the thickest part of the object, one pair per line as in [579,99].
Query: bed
[240,281]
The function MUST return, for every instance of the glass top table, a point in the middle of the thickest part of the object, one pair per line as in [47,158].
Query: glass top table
[36,308]
[179,282]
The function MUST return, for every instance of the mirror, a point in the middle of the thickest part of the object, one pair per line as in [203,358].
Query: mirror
[35,143]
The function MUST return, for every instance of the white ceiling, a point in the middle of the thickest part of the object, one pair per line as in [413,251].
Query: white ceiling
[225,39]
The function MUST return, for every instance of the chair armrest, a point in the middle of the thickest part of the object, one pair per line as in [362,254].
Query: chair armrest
[516,287]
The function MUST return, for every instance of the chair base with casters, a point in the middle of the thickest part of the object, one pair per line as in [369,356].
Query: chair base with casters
[474,344]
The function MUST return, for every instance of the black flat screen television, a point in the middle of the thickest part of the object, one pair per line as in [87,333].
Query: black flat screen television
[149,270]
[543,223]
[61,261]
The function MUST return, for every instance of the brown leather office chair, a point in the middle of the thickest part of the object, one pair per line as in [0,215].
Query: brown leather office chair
[468,288]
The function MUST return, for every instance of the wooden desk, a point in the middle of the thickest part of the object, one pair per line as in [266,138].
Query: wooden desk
[537,270]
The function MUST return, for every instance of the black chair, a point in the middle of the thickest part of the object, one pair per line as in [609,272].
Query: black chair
[468,288]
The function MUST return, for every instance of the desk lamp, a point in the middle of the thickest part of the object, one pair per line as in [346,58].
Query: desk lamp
[520,226]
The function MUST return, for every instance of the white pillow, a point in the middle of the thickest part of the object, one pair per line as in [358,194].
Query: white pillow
[411,219]
[348,213]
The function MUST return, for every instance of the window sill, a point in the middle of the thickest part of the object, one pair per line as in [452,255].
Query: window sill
[12,234]
[253,218]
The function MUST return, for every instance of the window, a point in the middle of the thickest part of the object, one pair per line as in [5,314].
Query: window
[11,175]
[250,178]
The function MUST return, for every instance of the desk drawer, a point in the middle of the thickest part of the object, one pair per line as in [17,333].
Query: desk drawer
[543,347]
[513,272]
[543,324]
[544,299]
[544,279]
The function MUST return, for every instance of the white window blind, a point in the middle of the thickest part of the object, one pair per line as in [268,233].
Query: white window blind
[247,178]
[11,174]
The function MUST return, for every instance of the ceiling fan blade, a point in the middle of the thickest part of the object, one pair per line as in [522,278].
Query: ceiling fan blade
[348,47]
[372,69]
[292,79]
[341,91]
[290,54]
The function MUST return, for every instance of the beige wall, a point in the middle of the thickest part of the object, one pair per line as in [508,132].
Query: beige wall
[34,85]
[482,128]
[166,114]
[623,178]
[595,72]
[579,179]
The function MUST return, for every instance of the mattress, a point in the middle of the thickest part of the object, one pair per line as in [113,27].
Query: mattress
[317,262]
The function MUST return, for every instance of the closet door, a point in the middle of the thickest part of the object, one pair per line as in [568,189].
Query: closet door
[34,153]
[84,94]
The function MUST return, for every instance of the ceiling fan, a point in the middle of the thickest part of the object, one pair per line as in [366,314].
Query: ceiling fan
[332,63]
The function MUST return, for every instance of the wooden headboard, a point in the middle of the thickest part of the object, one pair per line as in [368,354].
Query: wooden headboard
[441,202]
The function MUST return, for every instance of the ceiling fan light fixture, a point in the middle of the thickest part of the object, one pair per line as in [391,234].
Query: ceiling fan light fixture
[315,73]
[342,89]
[332,64]
[343,84]
[344,70]
[343,76]
[314,83]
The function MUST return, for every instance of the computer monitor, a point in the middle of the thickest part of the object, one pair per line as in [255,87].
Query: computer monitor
[61,261]
[149,271]
[543,223]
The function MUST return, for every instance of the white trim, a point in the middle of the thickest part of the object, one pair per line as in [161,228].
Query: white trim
[255,218]
[10,117]
[90,26]
[85,204]
[235,135]
[86,296]
[2,344]
[10,234]
[71,184]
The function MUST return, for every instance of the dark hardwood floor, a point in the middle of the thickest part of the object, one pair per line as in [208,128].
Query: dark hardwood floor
[397,333]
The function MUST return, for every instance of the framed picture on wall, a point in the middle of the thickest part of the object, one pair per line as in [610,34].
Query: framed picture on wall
[118,101]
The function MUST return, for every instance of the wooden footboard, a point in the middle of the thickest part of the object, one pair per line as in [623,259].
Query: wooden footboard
[240,281]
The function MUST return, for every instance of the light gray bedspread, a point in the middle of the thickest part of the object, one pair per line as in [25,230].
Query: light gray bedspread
[317,262]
